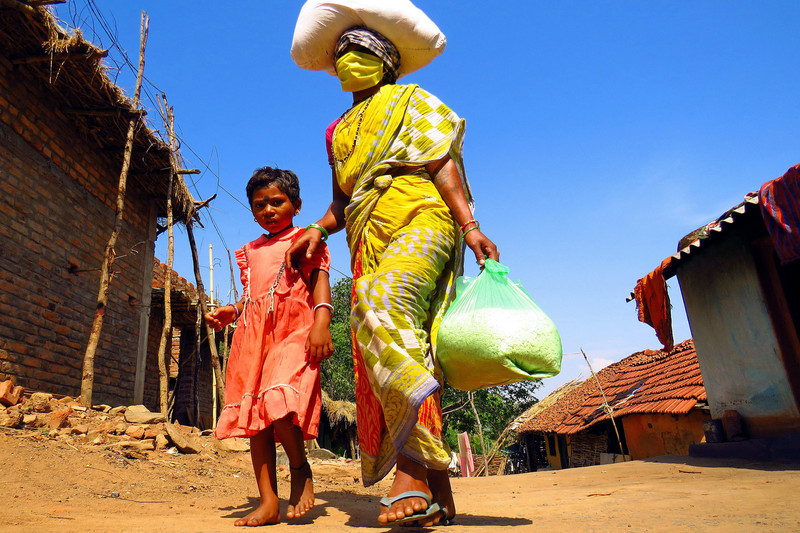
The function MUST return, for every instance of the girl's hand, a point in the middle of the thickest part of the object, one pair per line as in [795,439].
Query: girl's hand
[305,244]
[319,344]
[220,317]
[482,246]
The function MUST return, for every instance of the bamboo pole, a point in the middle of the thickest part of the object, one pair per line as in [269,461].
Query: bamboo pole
[212,339]
[198,357]
[87,379]
[201,304]
[606,407]
[166,332]
[226,348]
[480,432]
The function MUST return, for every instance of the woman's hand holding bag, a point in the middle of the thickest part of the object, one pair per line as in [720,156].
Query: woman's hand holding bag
[494,334]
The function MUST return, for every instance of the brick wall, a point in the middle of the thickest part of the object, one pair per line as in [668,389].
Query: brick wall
[57,193]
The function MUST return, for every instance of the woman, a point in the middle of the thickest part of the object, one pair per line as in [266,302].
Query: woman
[400,192]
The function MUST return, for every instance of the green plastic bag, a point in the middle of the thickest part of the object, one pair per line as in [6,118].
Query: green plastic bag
[494,334]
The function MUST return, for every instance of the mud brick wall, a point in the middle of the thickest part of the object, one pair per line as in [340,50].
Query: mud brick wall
[57,194]
[585,449]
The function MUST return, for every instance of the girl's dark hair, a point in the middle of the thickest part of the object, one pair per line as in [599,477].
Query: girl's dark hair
[285,180]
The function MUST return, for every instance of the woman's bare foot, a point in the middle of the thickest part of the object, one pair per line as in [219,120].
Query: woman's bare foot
[409,476]
[266,513]
[301,498]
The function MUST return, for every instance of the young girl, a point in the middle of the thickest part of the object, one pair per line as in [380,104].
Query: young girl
[273,381]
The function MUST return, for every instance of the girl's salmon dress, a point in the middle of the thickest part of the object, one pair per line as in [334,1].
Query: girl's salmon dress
[268,375]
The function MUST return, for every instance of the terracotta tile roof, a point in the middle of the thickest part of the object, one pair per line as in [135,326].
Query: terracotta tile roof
[645,382]
[178,283]
[550,418]
[183,296]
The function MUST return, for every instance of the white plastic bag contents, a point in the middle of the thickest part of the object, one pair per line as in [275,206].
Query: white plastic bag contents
[320,24]
[494,334]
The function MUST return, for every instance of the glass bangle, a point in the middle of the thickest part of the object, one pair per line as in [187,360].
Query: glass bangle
[321,230]
[470,229]
[468,222]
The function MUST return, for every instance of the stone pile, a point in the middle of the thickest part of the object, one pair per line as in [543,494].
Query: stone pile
[133,430]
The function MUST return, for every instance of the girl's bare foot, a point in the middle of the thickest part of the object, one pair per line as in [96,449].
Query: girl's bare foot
[266,513]
[301,499]
[409,476]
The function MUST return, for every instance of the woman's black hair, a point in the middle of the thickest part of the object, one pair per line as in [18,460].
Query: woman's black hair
[285,180]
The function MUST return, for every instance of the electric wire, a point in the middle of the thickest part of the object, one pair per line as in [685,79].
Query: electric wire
[95,18]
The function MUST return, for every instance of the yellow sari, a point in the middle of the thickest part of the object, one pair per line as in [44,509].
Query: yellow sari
[405,257]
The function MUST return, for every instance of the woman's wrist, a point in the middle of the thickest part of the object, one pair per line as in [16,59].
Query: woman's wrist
[319,228]
[468,226]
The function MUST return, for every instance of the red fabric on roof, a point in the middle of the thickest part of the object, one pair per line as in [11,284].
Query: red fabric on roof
[780,206]
[652,302]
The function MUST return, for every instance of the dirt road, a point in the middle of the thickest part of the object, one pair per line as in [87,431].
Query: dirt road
[54,485]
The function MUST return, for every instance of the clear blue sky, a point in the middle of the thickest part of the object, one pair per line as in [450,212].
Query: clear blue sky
[598,133]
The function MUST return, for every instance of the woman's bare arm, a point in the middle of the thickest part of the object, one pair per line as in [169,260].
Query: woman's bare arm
[333,221]
[448,182]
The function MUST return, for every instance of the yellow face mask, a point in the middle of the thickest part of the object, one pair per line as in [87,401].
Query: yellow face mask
[358,71]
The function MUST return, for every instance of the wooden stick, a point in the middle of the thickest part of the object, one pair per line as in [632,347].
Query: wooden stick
[606,406]
[166,332]
[201,304]
[87,380]
[480,432]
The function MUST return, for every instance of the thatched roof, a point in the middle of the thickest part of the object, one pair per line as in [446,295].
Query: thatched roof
[548,401]
[71,70]
[339,411]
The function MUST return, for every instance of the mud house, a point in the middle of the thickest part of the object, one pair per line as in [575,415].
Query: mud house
[658,404]
[742,299]
[63,124]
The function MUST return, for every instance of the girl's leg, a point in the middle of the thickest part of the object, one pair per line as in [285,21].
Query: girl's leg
[301,499]
[262,453]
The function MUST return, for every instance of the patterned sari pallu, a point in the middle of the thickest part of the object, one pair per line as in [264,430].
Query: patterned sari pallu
[405,258]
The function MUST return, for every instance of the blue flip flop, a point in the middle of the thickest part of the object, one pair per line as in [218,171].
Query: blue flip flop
[420,515]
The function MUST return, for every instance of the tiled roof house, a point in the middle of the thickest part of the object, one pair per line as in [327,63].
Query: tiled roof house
[658,402]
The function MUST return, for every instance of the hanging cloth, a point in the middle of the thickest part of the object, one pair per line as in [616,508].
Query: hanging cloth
[653,306]
[780,206]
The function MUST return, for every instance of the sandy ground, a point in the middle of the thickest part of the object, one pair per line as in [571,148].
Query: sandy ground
[56,485]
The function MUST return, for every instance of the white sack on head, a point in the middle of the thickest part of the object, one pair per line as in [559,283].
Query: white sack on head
[320,24]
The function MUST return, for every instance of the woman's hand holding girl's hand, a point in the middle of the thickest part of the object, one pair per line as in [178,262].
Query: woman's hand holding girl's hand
[305,244]
[319,344]
[482,246]
[220,317]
